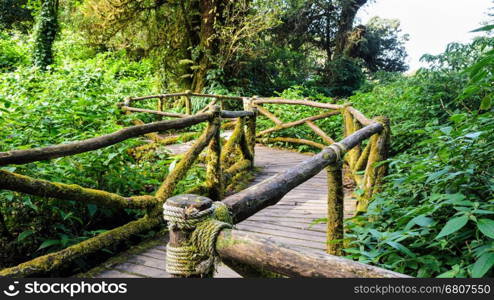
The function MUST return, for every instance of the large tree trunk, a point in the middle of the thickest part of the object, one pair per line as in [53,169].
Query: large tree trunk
[345,26]
[211,12]
[45,33]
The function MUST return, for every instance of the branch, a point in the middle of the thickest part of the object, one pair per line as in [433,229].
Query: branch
[43,188]
[37,154]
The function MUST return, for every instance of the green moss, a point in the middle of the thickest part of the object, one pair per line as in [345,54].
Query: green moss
[168,186]
[53,261]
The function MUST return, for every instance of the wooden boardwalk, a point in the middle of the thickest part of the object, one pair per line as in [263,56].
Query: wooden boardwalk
[290,221]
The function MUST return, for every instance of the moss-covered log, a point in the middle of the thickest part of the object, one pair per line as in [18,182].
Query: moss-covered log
[291,140]
[208,107]
[334,233]
[26,156]
[228,153]
[214,176]
[267,254]
[53,261]
[144,150]
[74,192]
[226,114]
[239,166]
[132,99]
[248,271]
[168,186]
[362,160]
[374,174]
[269,192]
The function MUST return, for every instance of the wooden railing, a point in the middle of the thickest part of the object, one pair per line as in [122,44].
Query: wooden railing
[223,168]
[248,254]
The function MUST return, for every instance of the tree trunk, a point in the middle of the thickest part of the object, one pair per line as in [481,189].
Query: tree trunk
[345,25]
[45,34]
[211,12]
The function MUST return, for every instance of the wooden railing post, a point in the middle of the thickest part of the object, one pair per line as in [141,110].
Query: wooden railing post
[214,172]
[188,103]
[379,145]
[349,128]
[180,234]
[250,124]
[334,232]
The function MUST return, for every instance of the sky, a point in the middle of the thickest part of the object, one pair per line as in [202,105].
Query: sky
[431,24]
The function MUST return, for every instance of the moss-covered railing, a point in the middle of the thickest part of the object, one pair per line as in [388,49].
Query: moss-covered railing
[201,230]
[224,165]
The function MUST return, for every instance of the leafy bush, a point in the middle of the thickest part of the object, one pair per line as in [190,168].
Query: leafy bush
[434,215]
[13,52]
[75,100]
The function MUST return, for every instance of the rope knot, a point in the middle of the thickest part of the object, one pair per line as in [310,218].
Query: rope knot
[338,149]
[198,256]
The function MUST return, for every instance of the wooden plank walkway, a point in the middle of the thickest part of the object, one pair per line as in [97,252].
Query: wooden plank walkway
[290,221]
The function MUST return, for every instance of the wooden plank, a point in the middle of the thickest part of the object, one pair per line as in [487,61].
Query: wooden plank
[116,274]
[142,270]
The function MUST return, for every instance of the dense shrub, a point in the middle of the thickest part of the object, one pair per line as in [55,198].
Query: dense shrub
[75,100]
[434,215]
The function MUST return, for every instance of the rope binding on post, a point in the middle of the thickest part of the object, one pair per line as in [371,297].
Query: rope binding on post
[338,149]
[198,256]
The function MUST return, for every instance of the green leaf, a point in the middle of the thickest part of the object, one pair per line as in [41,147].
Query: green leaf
[483,265]
[486,103]
[474,135]
[48,243]
[24,235]
[484,28]
[401,248]
[92,209]
[423,221]
[486,226]
[453,226]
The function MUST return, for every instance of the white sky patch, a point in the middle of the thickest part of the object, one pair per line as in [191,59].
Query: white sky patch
[431,24]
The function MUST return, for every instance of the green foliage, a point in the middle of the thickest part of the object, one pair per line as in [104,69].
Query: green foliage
[287,113]
[438,204]
[383,46]
[16,14]
[13,52]
[342,76]
[434,216]
[77,100]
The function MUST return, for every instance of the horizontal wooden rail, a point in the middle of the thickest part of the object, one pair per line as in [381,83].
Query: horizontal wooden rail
[156,112]
[37,154]
[236,114]
[186,94]
[360,116]
[251,200]
[298,102]
[266,254]
[44,188]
